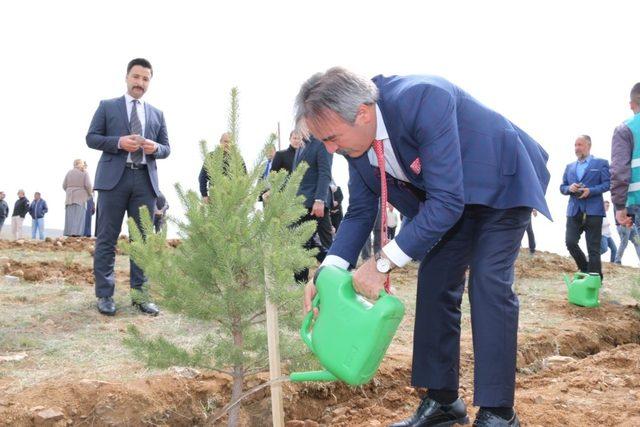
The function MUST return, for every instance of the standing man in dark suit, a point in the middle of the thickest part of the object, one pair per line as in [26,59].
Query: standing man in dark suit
[160,212]
[468,179]
[91,210]
[336,205]
[132,135]
[283,159]
[317,195]
[584,181]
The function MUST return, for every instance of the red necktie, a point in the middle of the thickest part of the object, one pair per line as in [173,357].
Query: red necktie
[378,148]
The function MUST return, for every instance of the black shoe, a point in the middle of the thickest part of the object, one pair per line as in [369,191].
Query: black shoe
[432,413]
[489,419]
[146,307]
[106,306]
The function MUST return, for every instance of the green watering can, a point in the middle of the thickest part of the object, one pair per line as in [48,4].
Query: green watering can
[350,335]
[584,289]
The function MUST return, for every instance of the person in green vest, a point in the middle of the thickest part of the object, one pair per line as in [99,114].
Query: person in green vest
[625,165]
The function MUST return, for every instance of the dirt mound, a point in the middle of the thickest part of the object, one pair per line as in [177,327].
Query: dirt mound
[178,401]
[588,332]
[161,400]
[547,265]
[49,271]
[69,244]
[601,390]
[600,336]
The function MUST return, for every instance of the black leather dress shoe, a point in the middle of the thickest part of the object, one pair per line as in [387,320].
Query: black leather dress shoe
[106,306]
[432,413]
[488,419]
[146,307]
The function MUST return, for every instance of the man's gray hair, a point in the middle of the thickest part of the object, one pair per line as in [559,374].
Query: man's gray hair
[337,90]
[586,138]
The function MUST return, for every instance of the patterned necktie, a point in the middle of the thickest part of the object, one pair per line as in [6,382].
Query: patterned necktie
[378,148]
[136,129]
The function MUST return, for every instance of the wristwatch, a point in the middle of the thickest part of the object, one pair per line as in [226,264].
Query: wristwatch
[383,264]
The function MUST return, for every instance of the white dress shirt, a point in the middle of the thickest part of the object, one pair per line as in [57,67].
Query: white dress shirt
[128,100]
[393,168]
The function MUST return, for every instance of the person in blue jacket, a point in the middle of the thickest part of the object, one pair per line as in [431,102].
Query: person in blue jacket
[37,209]
[469,179]
[584,181]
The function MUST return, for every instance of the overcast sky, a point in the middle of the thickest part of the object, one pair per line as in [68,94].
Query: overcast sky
[557,69]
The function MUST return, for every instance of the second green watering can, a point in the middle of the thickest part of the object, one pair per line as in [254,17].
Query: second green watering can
[350,335]
[584,289]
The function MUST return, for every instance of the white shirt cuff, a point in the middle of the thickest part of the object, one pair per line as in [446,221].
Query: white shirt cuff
[395,254]
[335,260]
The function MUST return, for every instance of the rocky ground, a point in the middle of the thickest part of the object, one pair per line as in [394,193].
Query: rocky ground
[61,363]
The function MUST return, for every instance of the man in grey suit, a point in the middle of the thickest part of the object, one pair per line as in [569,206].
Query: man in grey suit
[131,135]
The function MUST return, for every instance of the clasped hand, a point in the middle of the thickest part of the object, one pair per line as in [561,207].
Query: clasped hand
[132,143]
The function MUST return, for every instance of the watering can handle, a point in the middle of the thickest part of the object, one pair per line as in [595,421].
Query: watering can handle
[306,324]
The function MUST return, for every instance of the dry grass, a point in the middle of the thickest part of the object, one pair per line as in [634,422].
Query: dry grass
[57,325]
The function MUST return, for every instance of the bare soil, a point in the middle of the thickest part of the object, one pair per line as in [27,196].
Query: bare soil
[50,271]
[576,366]
[58,244]
[62,244]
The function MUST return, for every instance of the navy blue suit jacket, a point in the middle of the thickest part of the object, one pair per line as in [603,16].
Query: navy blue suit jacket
[597,178]
[468,154]
[316,180]
[109,123]
[283,159]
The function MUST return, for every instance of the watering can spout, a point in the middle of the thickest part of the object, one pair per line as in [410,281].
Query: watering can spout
[312,376]
[566,280]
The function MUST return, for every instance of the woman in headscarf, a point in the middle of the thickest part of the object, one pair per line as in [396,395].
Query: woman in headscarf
[77,185]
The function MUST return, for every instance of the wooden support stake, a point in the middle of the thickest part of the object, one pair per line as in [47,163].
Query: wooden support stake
[273,343]
[279,143]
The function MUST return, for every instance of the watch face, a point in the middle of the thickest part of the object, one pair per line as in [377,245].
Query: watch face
[383,265]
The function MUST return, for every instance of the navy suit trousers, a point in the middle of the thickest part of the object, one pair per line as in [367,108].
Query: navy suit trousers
[486,241]
[132,191]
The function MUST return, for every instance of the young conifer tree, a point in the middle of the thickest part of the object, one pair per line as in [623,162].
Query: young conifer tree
[217,273]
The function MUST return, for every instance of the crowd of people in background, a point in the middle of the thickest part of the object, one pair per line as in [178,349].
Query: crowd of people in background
[79,208]
[36,209]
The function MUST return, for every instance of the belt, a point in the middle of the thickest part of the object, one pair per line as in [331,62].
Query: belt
[134,166]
